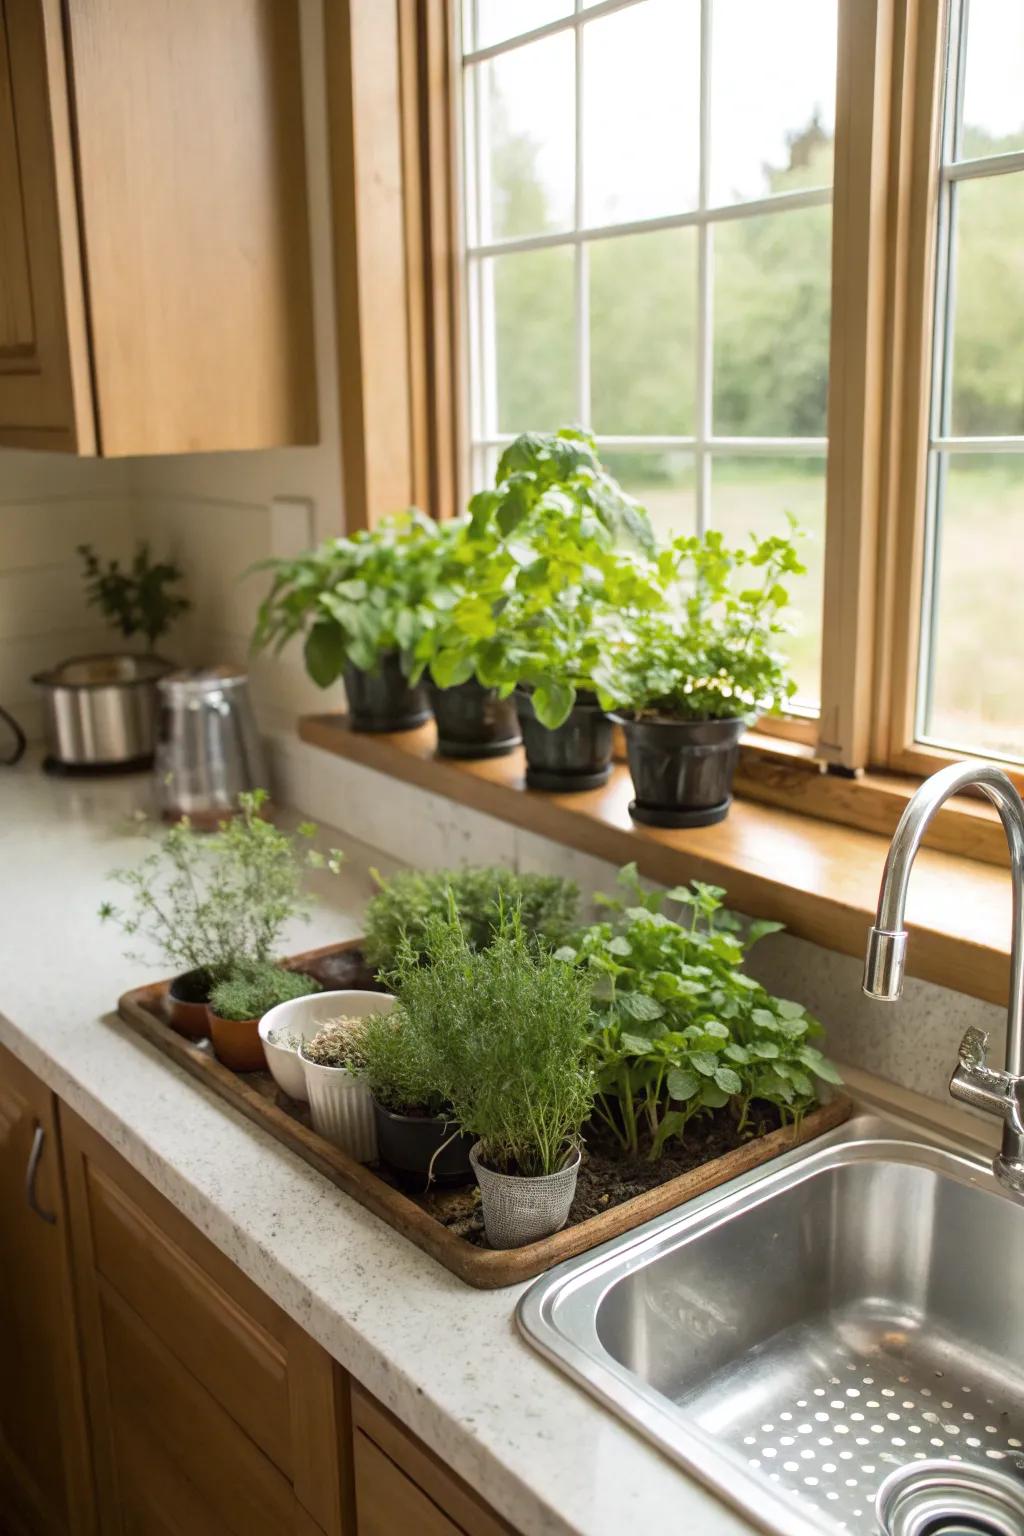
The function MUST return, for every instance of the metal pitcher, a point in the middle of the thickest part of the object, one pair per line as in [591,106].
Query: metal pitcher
[209,748]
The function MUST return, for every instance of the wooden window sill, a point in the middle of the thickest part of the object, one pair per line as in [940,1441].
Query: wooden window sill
[819,878]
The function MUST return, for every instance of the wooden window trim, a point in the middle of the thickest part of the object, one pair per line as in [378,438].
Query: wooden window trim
[396,273]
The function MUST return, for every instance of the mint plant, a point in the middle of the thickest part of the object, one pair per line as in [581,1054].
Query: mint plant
[710,652]
[679,1029]
[355,599]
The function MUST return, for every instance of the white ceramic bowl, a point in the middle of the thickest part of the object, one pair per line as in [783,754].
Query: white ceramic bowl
[303,1016]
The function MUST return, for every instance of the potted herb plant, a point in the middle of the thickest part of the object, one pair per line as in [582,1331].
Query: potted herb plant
[510,1025]
[400,911]
[361,603]
[238,1003]
[566,560]
[209,903]
[472,721]
[416,1137]
[681,1032]
[691,678]
[332,1055]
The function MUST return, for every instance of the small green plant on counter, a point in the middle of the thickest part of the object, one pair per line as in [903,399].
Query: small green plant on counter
[564,557]
[508,1032]
[400,1063]
[679,1028]
[213,902]
[338,1043]
[137,600]
[713,653]
[404,905]
[356,599]
[256,987]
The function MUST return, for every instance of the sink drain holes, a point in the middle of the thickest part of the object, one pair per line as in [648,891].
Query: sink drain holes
[950,1498]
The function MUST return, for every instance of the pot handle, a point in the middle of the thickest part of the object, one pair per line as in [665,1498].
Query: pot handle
[19,741]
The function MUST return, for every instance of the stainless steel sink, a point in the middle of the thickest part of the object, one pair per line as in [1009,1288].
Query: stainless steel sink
[856,1309]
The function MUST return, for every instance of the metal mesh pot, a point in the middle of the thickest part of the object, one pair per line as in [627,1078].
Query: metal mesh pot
[518,1211]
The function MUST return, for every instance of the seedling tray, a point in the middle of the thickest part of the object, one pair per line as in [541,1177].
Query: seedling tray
[433,1221]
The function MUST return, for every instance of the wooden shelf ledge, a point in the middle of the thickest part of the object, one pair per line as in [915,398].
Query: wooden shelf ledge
[819,878]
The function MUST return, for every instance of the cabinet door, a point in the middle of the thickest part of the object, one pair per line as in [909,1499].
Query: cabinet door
[401,1486]
[212,1412]
[45,392]
[44,1463]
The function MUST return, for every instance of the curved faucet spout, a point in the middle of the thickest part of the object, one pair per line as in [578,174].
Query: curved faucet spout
[973,1082]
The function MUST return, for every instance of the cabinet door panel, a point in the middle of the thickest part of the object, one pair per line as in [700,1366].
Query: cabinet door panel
[238,1362]
[45,387]
[212,1412]
[387,1501]
[44,1465]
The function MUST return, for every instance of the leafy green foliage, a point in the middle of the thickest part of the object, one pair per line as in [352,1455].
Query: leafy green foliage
[556,559]
[137,600]
[214,901]
[257,986]
[507,1033]
[357,598]
[404,905]
[679,1028]
[711,654]
[400,1064]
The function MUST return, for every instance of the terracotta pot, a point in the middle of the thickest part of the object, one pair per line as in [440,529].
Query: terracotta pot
[186,1005]
[237,1043]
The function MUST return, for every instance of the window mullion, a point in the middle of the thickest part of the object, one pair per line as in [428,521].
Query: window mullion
[705,316]
[581,275]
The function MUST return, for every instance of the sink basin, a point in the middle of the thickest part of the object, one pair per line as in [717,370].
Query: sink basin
[854,1310]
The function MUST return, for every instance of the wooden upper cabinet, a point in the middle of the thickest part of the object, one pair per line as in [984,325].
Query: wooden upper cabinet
[155,289]
[45,1481]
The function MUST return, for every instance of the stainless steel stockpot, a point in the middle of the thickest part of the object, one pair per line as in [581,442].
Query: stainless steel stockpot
[100,711]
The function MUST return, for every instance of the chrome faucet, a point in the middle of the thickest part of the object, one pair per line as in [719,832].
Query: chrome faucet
[973,1081]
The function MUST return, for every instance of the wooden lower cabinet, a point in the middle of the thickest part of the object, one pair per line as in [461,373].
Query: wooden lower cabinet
[45,1483]
[402,1487]
[149,1388]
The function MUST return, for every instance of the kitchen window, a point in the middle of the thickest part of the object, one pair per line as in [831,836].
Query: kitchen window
[969,684]
[645,260]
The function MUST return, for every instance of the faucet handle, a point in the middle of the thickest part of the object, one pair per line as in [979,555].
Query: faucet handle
[974,1048]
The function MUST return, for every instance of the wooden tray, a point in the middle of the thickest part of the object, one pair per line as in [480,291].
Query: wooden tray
[256,1095]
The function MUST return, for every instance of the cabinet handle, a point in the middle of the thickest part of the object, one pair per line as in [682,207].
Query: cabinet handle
[34,1159]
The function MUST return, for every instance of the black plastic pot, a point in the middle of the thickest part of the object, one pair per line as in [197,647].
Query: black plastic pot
[407,1144]
[187,997]
[682,769]
[382,700]
[473,722]
[576,755]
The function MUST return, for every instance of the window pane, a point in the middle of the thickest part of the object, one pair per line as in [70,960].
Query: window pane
[993,112]
[533,330]
[641,112]
[771,324]
[526,110]
[988,323]
[664,482]
[753,495]
[773,96]
[643,317]
[497,20]
[975,700]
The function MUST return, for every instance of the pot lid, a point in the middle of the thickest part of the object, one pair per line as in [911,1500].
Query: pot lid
[104,670]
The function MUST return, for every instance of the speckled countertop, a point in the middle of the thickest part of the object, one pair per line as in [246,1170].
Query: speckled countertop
[446,1359]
